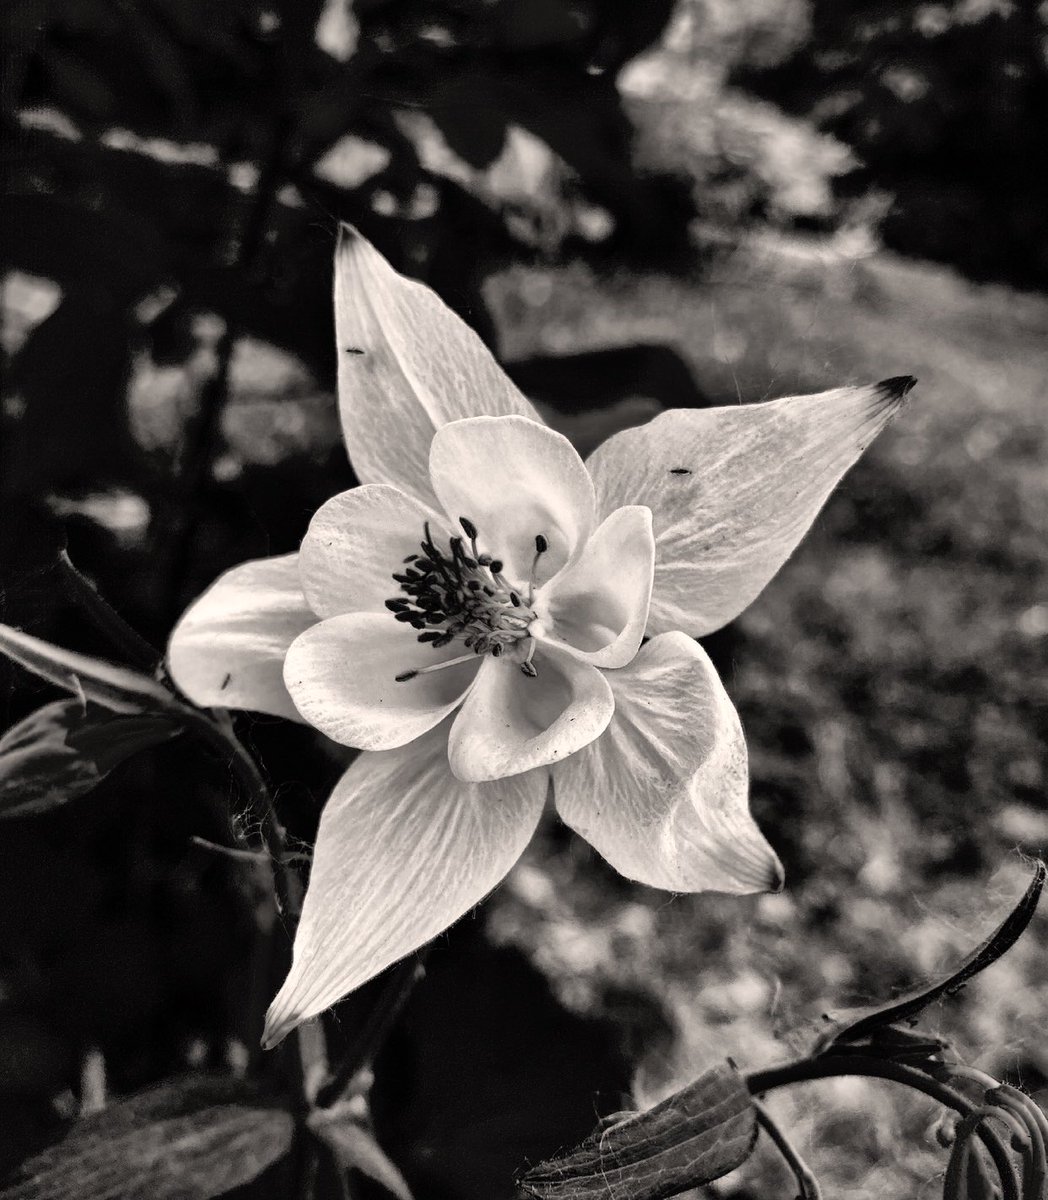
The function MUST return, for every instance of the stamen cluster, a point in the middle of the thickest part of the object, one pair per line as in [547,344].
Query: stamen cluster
[461,595]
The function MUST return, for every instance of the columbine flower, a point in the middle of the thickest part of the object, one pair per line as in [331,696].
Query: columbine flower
[472,616]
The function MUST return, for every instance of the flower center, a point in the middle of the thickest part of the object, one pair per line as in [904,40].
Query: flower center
[463,595]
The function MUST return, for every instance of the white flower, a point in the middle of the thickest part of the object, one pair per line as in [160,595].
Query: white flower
[471,617]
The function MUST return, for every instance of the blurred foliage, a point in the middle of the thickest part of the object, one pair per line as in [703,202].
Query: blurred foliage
[174,174]
[945,106]
[175,171]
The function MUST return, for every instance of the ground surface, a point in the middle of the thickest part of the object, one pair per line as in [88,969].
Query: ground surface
[892,682]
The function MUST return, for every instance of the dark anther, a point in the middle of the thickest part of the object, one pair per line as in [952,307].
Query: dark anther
[404,676]
[405,616]
[496,650]
[527,669]
[468,526]
[496,566]
[397,606]
[430,636]
[541,545]
[484,560]
[514,599]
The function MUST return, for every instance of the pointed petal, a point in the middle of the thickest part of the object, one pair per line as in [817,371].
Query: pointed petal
[733,490]
[228,647]
[514,479]
[511,723]
[663,794]
[403,850]
[406,366]
[597,607]
[354,544]
[341,674]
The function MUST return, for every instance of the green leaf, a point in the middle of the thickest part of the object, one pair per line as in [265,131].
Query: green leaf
[61,751]
[695,1136]
[354,1148]
[188,1139]
[115,688]
[859,1024]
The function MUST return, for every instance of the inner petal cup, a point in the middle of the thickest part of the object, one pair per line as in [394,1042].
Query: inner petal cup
[515,480]
[597,607]
[511,723]
[342,676]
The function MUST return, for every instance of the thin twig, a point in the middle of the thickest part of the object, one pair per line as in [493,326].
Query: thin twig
[828,1066]
[248,856]
[806,1181]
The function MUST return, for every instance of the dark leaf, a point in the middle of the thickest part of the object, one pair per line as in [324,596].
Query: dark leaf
[476,132]
[187,1140]
[64,749]
[109,249]
[113,687]
[71,375]
[31,544]
[695,1136]
[354,1148]
[531,24]
[856,1024]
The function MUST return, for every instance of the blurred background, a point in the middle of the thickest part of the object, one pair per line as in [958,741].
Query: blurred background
[638,206]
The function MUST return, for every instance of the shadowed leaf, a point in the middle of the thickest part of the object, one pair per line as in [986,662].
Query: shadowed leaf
[61,751]
[185,1140]
[695,1136]
[115,688]
[856,1024]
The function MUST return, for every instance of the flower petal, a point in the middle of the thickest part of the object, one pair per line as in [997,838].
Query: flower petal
[511,723]
[403,850]
[406,366]
[354,544]
[228,647]
[597,607]
[514,479]
[342,672]
[662,795]
[733,491]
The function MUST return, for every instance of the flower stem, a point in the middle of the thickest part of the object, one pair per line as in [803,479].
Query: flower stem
[832,1065]
[370,1037]
[806,1181]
